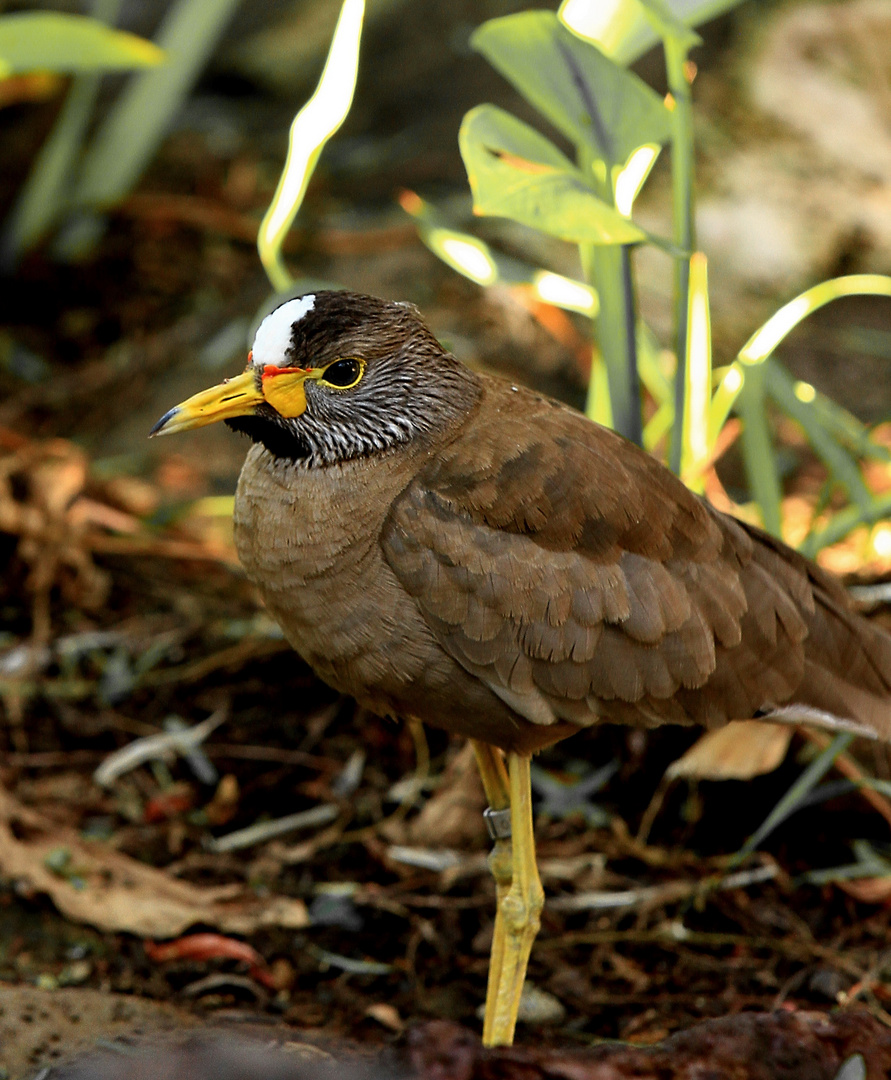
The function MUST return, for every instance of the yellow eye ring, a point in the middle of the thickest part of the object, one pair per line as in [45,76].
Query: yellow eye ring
[343,374]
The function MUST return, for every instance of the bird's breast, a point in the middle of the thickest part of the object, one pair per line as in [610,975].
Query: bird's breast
[308,539]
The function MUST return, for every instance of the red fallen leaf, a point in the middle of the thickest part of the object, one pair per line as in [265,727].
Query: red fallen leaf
[169,804]
[211,947]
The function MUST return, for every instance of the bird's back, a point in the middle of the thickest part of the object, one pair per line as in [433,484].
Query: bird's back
[581,581]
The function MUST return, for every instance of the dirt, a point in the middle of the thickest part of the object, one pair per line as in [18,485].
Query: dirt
[38,1028]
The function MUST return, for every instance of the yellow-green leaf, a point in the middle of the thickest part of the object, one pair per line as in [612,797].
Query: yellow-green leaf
[594,102]
[517,173]
[52,41]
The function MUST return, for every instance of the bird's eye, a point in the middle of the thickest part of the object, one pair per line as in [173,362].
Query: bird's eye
[343,373]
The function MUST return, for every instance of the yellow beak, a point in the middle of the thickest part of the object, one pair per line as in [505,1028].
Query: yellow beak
[282,388]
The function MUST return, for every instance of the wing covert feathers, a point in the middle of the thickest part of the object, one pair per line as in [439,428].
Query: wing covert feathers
[581,581]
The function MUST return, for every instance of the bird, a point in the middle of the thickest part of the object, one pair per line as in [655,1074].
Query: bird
[446,545]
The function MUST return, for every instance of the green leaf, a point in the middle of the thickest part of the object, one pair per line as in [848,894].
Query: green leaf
[650,364]
[844,522]
[517,173]
[848,429]
[625,32]
[41,201]
[586,96]
[51,41]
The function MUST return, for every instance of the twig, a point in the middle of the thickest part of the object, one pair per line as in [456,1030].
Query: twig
[271,753]
[657,895]
[268,830]
[152,747]
[231,656]
[50,759]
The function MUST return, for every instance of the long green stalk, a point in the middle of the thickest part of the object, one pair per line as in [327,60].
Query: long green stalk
[758,450]
[841,465]
[843,522]
[316,122]
[608,267]
[684,228]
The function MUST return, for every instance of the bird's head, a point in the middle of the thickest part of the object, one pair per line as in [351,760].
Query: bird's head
[333,376]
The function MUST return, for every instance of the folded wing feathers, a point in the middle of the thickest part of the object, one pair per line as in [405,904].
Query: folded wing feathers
[618,594]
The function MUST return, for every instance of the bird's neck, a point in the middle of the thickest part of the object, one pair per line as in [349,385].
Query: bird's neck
[422,414]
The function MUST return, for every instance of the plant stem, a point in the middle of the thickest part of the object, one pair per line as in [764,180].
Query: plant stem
[682,167]
[609,268]
[791,801]
[758,452]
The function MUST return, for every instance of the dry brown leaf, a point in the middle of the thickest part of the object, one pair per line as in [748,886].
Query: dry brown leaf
[386,1015]
[61,518]
[58,474]
[867,890]
[41,485]
[738,751]
[109,890]
[453,816]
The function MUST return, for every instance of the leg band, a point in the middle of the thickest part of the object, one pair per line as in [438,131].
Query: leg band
[498,823]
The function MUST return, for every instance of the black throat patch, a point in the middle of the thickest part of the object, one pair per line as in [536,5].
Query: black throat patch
[279,440]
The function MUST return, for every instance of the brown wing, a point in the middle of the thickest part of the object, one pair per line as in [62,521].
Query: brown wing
[847,659]
[580,580]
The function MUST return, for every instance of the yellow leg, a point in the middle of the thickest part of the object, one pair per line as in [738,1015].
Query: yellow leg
[520,909]
[520,895]
[496,784]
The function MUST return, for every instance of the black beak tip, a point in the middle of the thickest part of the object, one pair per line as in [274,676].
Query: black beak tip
[156,430]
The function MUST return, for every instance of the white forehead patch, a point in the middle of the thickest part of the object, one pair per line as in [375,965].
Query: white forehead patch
[273,337]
